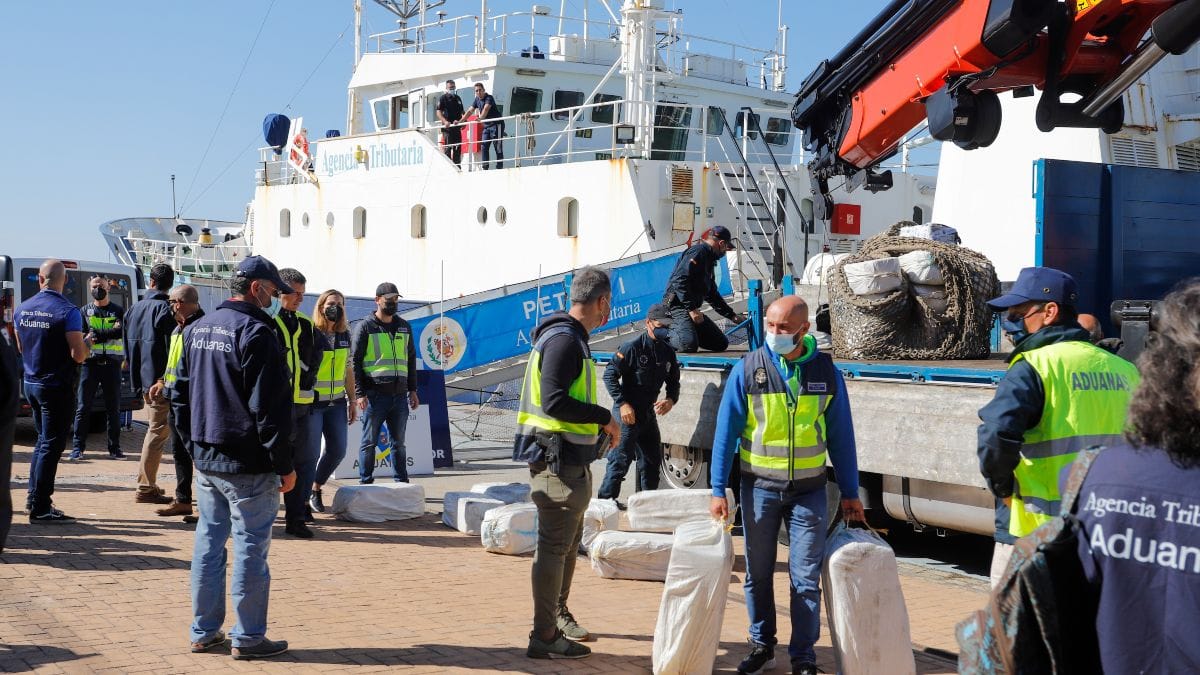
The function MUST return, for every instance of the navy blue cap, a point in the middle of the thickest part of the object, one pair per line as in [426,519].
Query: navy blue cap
[721,232]
[659,312]
[1039,284]
[258,267]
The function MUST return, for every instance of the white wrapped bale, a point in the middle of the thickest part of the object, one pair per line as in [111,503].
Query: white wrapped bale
[601,515]
[509,493]
[933,232]
[871,277]
[378,503]
[664,510]
[631,555]
[510,529]
[921,268]
[935,297]
[464,511]
[867,618]
[693,603]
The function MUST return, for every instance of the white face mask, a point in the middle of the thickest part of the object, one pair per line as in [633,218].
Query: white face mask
[781,343]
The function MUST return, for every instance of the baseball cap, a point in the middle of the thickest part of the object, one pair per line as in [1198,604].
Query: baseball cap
[258,267]
[1039,284]
[386,288]
[658,312]
[721,232]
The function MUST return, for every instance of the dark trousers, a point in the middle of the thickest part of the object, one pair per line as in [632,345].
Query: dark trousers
[8,425]
[561,501]
[640,440]
[492,139]
[688,336]
[52,409]
[304,460]
[183,463]
[95,374]
[453,141]
[393,410]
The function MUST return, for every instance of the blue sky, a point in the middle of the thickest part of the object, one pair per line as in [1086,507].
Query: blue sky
[103,101]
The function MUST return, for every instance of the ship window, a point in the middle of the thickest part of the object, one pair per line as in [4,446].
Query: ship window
[778,131]
[670,132]
[715,125]
[418,221]
[604,114]
[359,227]
[806,211]
[399,116]
[285,223]
[382,110]
[568,217]
[481,215]
[524,100]
[566,99]
[739,126]
[918,215]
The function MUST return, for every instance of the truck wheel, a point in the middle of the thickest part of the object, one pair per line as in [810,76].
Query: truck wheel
[684,466]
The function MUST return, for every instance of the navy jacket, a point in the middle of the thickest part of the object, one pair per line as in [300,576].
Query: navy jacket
[231,392]
[42,323]
[693,282]
[111,310]
[148,326]
[638,370]
[360,333]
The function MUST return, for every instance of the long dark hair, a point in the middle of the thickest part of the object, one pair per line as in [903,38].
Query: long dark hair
[1165,411]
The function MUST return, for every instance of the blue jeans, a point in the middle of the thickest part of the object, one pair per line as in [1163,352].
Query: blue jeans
[52,408]
[643,441]
[304,461]
[381,408]
[328,420]
[106,375]
[492,139]
[763,511]
[245,504]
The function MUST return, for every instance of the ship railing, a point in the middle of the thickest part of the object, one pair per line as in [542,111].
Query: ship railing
[589,132]
[583,40]
[188,257]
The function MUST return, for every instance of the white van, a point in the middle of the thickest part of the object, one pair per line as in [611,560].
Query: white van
[19,282]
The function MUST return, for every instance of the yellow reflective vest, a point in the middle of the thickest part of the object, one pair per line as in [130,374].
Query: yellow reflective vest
[331,375]
[532,418]
[291,349]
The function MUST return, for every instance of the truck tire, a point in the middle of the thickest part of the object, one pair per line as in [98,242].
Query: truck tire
[684,466]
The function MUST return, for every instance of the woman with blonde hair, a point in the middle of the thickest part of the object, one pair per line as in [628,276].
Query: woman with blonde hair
[331,415]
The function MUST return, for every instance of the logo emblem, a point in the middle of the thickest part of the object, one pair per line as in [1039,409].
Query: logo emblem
[443,343]
[817,387]
[643,360]
[760,376]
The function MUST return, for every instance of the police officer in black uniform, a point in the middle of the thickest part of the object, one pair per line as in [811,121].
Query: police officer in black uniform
[450,113]
[693,283]
[634,377]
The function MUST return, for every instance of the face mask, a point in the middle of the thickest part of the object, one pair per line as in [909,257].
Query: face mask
[389,308]
[99,293]
[663,335]
[272,309]
[333,313]
[781,343]
[1014,328]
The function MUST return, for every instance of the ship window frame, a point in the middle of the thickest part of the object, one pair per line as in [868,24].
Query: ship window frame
[576,100]
[714,125]
[285,223]
[418,220]
[481,215]
[394,115]
[778,136]
[568,217]
[358,226]
[610,111]
[385,115]
[740,128]
[518,91]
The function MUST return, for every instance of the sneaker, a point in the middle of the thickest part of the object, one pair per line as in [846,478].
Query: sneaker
[205,645]
[761,658]
[262,650]
[177,508]
[366,481]
[570,629]
[75,456]
[804,668]
[152,498]
[298,529]
[558,648]
[315,502]
[191,520]
[116,454]
[51,516]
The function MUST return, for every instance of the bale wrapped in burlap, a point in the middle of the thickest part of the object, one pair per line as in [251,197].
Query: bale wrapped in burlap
[901,325]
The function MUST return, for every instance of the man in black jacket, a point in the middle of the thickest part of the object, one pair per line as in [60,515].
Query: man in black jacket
[558,435]
[102,321]
[634,377]
[148,326]
[692,283]
[450,113]
[230,394]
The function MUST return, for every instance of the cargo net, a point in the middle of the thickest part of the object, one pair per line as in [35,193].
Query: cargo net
[914,321]
[483,418]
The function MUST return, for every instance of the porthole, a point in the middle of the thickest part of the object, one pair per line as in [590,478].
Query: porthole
[329,219]
[481,215]
[501,215]
[285,223]
[304,219]
[417,222]
[359,226]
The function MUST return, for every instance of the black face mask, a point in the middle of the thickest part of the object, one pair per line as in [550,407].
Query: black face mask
[333,313]
[99,293]
[390,308]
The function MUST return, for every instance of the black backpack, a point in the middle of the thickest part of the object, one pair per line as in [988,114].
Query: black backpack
[1041,617]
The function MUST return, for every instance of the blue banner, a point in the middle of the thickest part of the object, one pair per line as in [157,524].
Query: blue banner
[491,330]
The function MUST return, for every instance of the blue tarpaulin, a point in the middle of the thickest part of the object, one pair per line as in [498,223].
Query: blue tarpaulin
[275,131]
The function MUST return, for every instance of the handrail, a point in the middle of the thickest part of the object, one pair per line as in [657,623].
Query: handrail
[777,271]
[803,221]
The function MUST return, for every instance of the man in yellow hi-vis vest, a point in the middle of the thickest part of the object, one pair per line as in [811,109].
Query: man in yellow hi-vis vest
[1061,394]
[184,300]
[102,319]
[558,435]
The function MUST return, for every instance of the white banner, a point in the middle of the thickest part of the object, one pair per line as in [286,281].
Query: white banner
[418,446]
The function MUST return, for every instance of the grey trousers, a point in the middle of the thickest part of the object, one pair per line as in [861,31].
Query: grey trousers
[561,501]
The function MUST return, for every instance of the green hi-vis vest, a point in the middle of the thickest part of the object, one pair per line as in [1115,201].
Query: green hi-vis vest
[110,348]
[1087,396]
[531,418]
[174,354]
[784,437]
[291,347]
[386,358]
[331,376]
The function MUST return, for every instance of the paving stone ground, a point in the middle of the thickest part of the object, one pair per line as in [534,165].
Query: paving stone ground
[109,593]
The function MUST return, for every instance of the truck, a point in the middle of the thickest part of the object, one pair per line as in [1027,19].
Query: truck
[1127,234]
